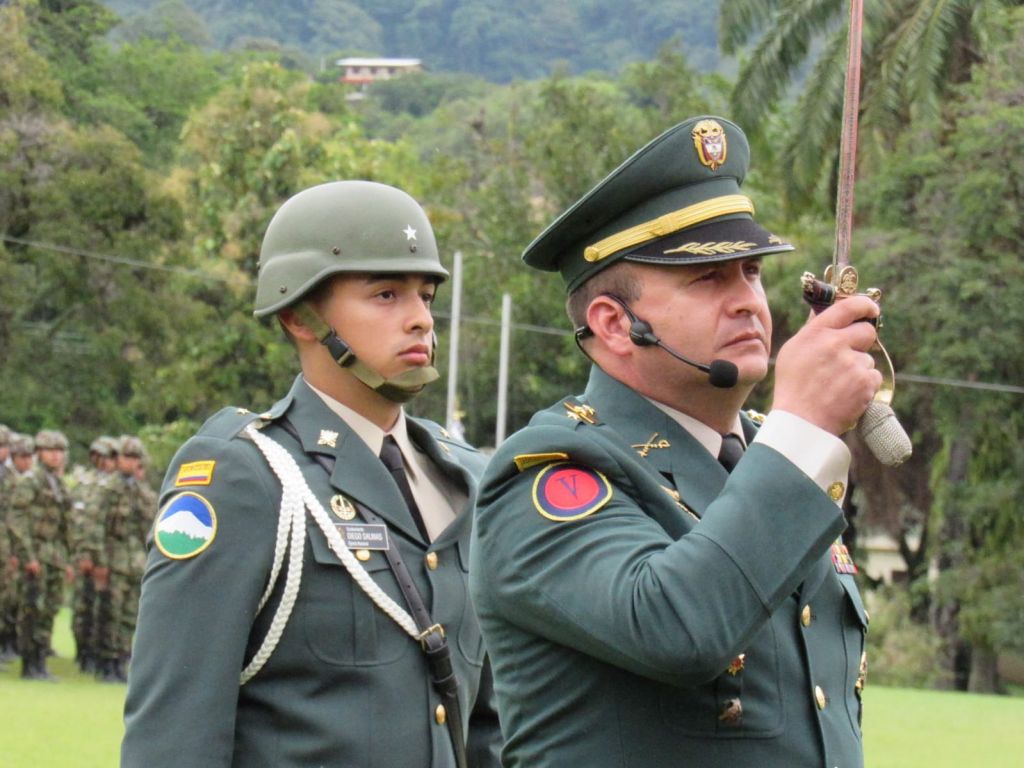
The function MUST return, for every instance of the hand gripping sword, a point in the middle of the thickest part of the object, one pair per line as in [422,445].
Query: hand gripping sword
[878,426]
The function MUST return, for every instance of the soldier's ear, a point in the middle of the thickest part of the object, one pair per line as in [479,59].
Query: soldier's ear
[609,325]
[292,325]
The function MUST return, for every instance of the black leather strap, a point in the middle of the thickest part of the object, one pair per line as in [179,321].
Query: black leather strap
[432,638]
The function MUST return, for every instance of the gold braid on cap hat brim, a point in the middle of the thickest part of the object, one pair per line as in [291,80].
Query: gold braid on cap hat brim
[667,224]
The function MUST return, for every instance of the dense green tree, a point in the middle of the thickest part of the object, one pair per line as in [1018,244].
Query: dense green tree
[952,253]
[86,232]
[913,51]
[147,89]
[167,20]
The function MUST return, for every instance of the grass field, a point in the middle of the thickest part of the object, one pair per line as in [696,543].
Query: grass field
[76,723]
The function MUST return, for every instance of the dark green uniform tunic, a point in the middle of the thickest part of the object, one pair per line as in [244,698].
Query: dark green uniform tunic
[345,685]
[616,620]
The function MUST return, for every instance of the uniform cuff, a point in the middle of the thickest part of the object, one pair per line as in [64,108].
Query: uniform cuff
[820,455]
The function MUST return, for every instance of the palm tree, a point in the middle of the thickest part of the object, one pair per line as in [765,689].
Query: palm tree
[913,50]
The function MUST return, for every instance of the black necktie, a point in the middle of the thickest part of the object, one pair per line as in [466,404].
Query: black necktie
[731,451]
[391,456]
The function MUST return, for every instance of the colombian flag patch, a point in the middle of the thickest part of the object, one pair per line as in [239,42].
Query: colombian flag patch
[195,473]
[564,492]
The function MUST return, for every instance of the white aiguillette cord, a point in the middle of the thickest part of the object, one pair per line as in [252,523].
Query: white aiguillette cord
[296,498]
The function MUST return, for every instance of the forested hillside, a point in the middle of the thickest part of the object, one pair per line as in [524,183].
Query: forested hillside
[494,39]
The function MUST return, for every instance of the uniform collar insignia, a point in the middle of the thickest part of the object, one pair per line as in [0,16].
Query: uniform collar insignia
[644,449]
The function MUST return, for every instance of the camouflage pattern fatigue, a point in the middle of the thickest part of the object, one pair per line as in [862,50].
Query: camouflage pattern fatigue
[8,576]
[40,516]
[86,541]
[123,552]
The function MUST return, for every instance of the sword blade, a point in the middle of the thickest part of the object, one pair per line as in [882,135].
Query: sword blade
[848,142]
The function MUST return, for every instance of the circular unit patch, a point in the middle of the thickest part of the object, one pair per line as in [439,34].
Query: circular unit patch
[185,526]
[564,492]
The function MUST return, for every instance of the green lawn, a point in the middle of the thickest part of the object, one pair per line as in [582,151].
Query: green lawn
[906,728]
[76,723]
[73,723]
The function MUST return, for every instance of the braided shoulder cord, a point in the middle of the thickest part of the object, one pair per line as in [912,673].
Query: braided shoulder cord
[296,497]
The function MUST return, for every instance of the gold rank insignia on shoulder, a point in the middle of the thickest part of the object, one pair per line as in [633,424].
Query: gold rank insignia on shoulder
[526,460]
[645,448]
[756,416]
[580,412]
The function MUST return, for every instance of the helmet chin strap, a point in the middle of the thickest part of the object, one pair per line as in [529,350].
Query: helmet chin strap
[397,389]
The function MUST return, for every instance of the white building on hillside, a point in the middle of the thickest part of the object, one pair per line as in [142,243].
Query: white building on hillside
[363,71]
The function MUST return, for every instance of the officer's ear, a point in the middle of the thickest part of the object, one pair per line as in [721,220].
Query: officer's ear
[609,325]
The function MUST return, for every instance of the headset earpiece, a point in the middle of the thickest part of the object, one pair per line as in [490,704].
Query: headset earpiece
[640,332]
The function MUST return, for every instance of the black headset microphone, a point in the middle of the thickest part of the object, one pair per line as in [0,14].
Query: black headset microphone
[721,373]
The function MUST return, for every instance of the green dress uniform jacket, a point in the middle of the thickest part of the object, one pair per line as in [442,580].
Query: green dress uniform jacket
[345,685]
[642,607]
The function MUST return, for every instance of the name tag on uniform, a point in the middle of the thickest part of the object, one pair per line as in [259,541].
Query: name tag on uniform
[364,535]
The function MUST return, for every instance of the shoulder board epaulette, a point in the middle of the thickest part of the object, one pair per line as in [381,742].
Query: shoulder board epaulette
[755,416]
[228,422]
[442,435]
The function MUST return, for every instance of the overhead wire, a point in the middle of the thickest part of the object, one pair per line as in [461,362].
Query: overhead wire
[907,378]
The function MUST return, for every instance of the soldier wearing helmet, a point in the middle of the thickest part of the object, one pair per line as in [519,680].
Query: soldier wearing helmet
[315,552]
[86,540]
[7,580]
[23,449]
[124,524]
[40,510]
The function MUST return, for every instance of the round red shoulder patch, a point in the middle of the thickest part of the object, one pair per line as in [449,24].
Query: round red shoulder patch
[565,492]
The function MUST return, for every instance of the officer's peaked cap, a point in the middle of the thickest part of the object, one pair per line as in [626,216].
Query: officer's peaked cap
[675,201]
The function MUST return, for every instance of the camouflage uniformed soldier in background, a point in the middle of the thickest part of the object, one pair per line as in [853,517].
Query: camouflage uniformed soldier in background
[7,626]
[22,448]
[86,541]
[149,497]
[40,509]
[121,561]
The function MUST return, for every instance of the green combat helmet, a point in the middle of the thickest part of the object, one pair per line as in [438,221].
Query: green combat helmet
[345,227]
[22,445]
[5,435]
[129,445]
[103,446]
[51,439]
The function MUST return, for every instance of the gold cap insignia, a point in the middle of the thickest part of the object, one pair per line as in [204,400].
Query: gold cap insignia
[710,142]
